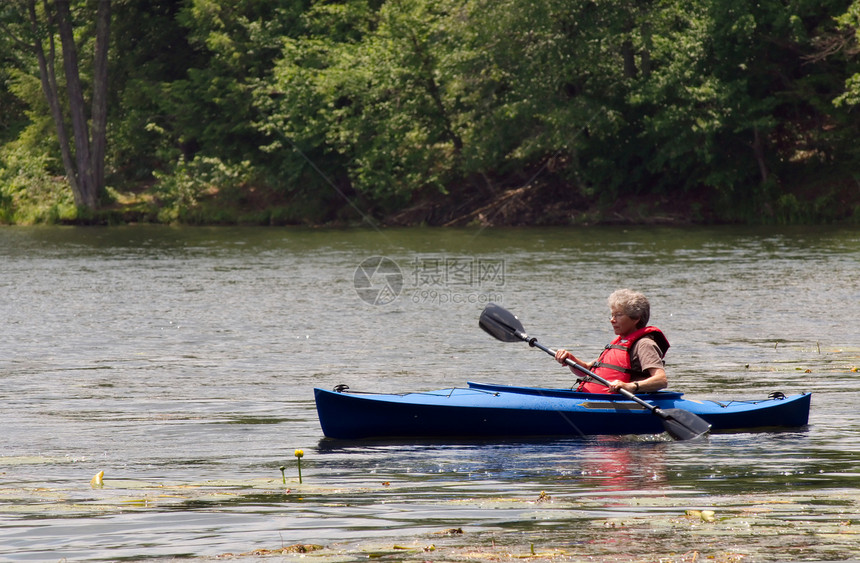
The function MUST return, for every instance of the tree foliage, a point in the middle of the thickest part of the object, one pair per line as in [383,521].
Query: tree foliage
[385,102]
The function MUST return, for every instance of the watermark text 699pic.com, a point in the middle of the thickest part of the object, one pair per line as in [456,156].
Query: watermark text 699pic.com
[380,280]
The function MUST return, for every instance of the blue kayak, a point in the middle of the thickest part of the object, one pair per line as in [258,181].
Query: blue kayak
[492,410]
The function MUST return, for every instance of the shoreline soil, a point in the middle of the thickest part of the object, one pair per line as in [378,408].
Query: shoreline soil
[545,202]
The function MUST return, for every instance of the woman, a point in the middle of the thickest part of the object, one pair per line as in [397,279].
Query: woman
[634,360]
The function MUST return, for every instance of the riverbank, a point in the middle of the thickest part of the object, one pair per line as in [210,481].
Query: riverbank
[545,201]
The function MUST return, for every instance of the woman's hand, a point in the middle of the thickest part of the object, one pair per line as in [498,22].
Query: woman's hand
[561,355]
[616,386]
[657,380]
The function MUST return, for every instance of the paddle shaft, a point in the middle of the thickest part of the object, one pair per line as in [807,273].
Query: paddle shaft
[592,375]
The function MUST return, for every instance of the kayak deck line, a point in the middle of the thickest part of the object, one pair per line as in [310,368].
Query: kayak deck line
[447,392]
[612,405]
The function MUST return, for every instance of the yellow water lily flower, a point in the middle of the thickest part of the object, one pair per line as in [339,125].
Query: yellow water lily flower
[97,481]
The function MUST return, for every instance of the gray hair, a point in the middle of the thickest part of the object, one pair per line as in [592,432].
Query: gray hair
[631,303]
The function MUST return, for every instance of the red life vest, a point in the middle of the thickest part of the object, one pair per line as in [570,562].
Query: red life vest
[614,361]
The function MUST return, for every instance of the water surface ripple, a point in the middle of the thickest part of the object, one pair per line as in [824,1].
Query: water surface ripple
[181,362]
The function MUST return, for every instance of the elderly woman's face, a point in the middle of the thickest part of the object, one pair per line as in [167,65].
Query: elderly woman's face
[621,323]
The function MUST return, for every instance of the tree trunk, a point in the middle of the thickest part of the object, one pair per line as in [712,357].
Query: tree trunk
[48,79]
[77,109]
[647,46]
[100,94]
[83,155]
[629,57]
[758,150]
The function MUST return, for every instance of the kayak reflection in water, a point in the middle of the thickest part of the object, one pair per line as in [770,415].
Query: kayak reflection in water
[634,360]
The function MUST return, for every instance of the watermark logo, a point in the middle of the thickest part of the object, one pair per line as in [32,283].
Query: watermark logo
[378,280]
[458,280]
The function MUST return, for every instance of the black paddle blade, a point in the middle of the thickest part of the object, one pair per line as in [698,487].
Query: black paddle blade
[683,425]
[501,324]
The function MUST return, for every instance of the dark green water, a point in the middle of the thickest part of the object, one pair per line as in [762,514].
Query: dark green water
[181,362]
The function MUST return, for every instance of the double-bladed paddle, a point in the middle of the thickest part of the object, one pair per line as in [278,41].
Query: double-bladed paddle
[505,326]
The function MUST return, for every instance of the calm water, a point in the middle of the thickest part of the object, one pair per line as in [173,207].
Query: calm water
[181,363]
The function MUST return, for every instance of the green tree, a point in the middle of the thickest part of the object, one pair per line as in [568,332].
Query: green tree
[42,30]
[311,83]
[432,96]
[389,101]
[12,116]
[732,103]
[152,51]
[204,104]
[847,39]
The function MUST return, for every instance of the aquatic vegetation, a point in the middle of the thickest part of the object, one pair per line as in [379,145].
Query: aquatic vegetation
[703,515]
[295,548]
[527,525]
[299,455]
